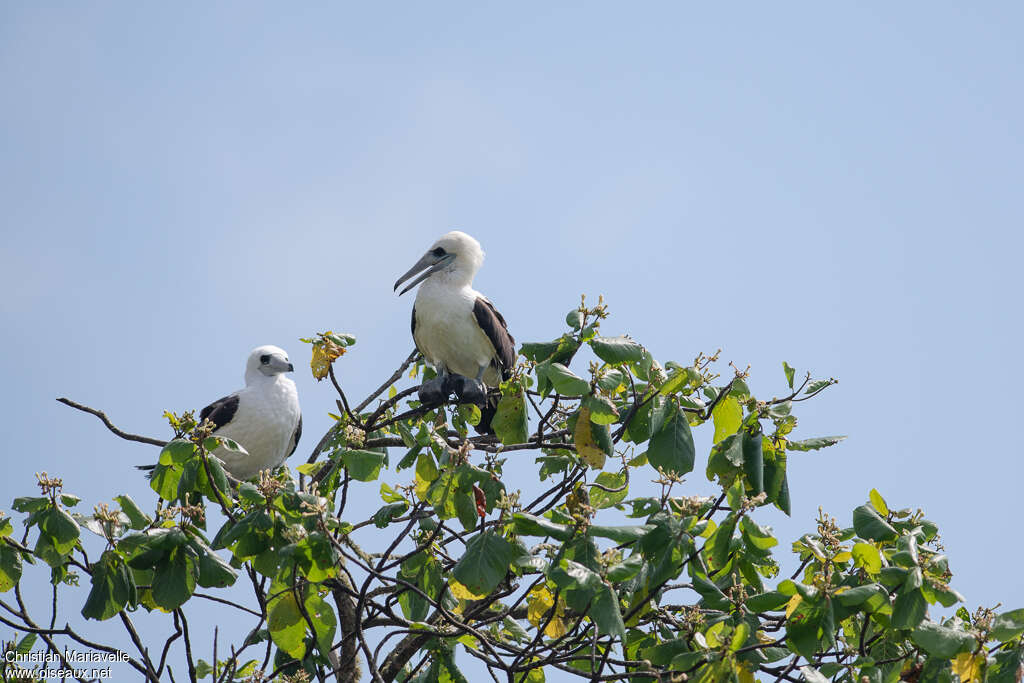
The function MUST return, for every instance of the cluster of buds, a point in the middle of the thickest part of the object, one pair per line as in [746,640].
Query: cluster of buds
[194,513]
[268,486]
[50,486]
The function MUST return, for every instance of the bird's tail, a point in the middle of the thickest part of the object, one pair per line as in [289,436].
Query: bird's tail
[487,412]
[148,469]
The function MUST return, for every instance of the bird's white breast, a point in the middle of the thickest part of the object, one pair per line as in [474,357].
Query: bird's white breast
[447,332]
[264,423]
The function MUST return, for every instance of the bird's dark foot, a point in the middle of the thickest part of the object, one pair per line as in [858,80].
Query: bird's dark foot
[435,390]
[469,390]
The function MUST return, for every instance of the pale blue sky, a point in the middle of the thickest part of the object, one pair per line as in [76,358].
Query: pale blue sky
[835,187]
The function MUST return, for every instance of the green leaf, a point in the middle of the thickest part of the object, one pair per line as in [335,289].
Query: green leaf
[671,448]
[470,413]
[165,480]
[870,525]
[620,534]
[626,569]
[362,465]
[867,556]
[721,541]
[565,382]
[767,602]
[756,535]
[909,608]
[137,519]
[538,351]
[325,624]
[510,420]
[616,350]
[485,562]
[941,641]
[287,626]
[10,567]
[604,610]
[384,516]
[789,373]
[176,452]
[753,461]
[112,587]
[727,416]
[174,579]
[61,528]
[600,498]
[214,571]
[602,410]
[1008,625]
[814,444]
[531,525]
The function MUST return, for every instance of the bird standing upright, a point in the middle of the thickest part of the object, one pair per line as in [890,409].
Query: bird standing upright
[456,328]
[264,417]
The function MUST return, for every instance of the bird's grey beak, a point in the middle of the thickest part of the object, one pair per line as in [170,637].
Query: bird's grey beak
[276,365]
[430,264]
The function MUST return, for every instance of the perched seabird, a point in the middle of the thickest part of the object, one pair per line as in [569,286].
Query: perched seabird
[456,328]
[264,417]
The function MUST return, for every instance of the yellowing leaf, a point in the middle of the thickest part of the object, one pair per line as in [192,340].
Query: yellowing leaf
[586,446]
[728,417]
[879,503]
[968,667]
[845,556]
[538,603]
[325,352]
[463,593]
[743,675]
[793,603]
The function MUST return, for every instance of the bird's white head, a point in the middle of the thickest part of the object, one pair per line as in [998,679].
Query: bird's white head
[267,361]
[455,258]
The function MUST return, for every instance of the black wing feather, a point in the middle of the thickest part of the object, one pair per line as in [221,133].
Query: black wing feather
[296,436]
[221,411]
[496,329]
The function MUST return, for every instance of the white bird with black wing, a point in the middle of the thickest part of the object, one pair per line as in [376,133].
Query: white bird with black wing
[456,328]
[264,417]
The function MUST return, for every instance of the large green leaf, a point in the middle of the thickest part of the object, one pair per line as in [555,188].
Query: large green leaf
[174,580]
[362,465]
[510,421]
[287,625]
[566,382]
[600,498]
[325,623]
[616,350]
[60,527]
[909,608]
[671,448]
[727,416]
[137,519]
[531,525]
[10,567]
[870,525]
[1008,625]
[942,641]
[112,587]
[485,562]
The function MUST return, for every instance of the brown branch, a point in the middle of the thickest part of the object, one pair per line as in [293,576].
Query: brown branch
[110,425]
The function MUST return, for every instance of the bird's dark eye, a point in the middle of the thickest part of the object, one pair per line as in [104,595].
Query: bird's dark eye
[439,252]
[265,358]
